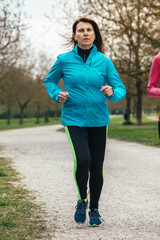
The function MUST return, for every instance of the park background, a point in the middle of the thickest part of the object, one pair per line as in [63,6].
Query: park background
[33,33]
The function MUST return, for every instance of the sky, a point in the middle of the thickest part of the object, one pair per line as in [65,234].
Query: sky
[42,33]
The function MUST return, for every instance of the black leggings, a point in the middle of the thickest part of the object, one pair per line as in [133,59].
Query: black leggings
[88,148]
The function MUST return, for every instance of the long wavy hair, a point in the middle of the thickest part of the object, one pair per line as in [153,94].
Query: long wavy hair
[98,37]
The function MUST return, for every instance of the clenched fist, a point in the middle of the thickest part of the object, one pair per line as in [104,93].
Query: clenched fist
[107,90]
[62,97]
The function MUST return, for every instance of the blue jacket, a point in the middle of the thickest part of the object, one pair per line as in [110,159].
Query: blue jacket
[86,106]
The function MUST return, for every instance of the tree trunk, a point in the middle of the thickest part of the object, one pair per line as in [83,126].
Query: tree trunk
[8,115]
[137,64]
[139,103]
[46,116]
[22,107]
[128,109]
[38,114]
[21,115]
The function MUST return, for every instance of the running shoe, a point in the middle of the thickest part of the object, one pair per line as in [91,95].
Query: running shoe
[80,214]
[94,217]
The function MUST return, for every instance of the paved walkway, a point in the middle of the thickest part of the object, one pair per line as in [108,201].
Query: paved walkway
[130,201]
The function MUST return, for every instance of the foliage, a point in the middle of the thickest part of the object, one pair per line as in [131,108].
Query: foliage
[11,29]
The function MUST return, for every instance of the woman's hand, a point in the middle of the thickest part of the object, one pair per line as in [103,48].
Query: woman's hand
[62,97]
[107,90]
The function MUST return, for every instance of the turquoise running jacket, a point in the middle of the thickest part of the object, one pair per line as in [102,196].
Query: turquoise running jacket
[86,106]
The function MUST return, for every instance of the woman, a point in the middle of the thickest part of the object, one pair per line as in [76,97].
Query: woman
[85,71]
[154,77]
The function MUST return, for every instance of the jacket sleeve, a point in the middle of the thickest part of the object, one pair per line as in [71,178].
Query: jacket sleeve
[113,80]
[52,80]
[154,76]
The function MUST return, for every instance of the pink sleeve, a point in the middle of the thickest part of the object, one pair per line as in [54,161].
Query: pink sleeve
[154,76]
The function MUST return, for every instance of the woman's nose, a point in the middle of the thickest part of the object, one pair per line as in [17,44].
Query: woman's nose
[85,32]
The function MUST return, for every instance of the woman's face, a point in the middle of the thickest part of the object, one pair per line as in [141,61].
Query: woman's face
[84,35]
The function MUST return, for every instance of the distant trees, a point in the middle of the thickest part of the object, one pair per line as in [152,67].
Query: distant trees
[17,90]
[23,89]
[7,95]
[11,29]
[21,73]
[42,102]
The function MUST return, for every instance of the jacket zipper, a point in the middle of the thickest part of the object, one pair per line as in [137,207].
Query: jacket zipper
[88,103]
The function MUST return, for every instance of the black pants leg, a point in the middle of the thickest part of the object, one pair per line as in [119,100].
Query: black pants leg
[97,144]
[88,148]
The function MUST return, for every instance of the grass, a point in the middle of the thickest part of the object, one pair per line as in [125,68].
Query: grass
[20,217]
[28,122]
[147,133]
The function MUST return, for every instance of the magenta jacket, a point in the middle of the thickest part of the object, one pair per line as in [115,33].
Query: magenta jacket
[154,77]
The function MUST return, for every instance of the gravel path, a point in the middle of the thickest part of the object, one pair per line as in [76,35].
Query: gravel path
[130,200]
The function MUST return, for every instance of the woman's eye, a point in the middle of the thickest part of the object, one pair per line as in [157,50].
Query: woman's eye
[82,30]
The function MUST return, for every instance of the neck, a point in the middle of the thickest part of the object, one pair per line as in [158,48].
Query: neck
[86,47]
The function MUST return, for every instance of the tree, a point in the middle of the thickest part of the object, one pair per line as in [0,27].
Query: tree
[11,28]
[8,94]
[23,85]
[17,89]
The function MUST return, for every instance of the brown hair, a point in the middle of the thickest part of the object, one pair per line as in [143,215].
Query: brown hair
[98,38]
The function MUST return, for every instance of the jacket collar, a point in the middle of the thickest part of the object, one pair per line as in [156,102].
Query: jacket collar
[93,50]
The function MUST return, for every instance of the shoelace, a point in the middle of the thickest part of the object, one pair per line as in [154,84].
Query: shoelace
[81,206]
[97,215]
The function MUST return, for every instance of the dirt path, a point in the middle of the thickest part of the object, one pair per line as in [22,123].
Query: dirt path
[130,201]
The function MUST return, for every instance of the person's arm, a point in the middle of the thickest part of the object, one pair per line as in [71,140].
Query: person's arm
[154,76]
[52,80]
[115,90]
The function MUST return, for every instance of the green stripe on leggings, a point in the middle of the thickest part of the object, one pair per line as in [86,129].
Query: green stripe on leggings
[105,151]
[74,158]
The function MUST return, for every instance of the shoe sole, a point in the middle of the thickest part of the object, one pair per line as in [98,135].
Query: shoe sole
[94,225]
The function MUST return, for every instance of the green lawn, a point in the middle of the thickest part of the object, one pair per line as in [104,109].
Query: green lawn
[28,122]
[147,133]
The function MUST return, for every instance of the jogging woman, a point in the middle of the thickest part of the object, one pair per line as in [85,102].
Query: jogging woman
[154,77]
[89,78]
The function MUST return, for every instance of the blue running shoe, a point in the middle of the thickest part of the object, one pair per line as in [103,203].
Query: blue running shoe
[95,218]
[80,214]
